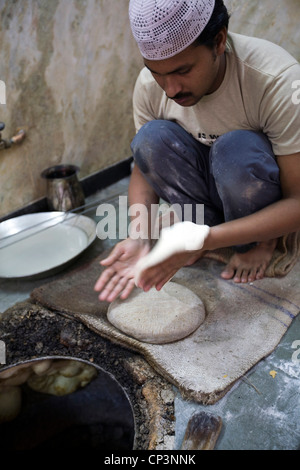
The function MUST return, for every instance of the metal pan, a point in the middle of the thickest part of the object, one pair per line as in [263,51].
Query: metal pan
[40,244]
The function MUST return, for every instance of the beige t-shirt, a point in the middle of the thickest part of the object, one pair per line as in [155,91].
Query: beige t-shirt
[256,94]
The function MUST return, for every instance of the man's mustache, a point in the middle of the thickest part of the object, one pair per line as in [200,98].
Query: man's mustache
[179,96]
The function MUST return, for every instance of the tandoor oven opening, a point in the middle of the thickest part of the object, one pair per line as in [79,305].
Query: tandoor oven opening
[58,403]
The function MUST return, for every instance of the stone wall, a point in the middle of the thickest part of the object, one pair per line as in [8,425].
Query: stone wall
[275,20]
[69,68]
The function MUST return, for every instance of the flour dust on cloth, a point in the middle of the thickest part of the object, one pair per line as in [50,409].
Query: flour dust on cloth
[158,317]
[243,322]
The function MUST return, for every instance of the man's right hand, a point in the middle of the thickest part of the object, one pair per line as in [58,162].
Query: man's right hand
[118,277]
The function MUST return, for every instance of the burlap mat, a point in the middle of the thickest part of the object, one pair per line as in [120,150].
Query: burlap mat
[244,322]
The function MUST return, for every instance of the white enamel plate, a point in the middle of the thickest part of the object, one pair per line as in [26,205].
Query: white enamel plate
[42,243]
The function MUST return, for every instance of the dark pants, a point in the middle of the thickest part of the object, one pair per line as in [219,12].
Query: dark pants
[235,177]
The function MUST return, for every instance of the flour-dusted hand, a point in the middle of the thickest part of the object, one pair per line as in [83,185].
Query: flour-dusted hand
[118,277]
[184,236]
[181,238]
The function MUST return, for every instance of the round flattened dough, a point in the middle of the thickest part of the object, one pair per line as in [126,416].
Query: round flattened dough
[158,317]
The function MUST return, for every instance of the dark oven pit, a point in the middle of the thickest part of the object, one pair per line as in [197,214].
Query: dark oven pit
[126,406]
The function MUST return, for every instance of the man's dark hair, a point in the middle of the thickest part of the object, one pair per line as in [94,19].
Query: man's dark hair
[219,19]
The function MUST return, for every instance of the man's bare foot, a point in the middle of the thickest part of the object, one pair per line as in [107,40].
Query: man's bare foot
[250,266]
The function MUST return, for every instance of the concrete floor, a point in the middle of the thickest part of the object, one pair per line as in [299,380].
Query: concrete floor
[259,413]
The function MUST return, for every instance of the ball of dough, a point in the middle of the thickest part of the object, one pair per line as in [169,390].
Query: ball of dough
[158,317]
[63,377]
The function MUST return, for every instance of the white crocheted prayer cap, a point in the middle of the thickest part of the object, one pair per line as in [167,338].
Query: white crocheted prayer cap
[163,28]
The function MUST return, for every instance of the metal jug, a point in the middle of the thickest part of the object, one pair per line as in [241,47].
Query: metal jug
[64,191]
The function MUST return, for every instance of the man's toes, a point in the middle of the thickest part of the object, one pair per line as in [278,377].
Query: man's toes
[240,275]
[260,272]
[249,275]
[228,272]
[244,276]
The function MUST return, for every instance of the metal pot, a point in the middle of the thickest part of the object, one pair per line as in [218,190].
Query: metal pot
[64,191]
